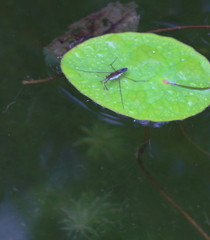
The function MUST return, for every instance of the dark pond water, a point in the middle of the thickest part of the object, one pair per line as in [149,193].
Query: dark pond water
[65,172]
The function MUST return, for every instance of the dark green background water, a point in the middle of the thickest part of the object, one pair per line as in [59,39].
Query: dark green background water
[62,166]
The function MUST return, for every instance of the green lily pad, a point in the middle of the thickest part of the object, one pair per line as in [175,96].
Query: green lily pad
[151,60]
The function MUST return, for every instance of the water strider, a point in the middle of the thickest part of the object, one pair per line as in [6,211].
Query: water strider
[116,74]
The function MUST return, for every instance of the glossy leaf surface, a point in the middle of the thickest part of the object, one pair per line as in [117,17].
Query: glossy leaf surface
[151,59]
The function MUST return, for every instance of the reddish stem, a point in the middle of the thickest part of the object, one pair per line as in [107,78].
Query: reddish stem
[177,27]
[181,85]
[42,80]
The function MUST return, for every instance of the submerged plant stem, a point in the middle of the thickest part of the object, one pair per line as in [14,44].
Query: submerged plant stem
[192,142]
[154,183]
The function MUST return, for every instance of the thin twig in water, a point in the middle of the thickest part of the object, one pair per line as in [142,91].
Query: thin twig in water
[186,215]
[43,79]
[192,142]
[177,28]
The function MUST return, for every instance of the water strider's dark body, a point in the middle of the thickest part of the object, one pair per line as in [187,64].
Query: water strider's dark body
[114,75]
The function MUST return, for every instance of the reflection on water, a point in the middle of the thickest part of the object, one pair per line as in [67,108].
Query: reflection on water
[12,223]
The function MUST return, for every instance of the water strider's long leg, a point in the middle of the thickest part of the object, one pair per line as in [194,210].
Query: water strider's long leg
[119,82]
[121,94]
[91,71]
